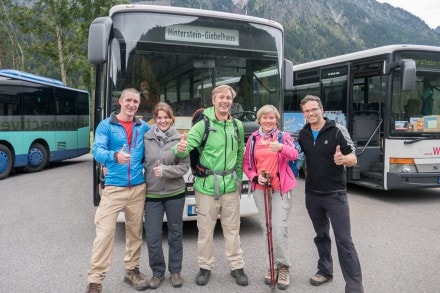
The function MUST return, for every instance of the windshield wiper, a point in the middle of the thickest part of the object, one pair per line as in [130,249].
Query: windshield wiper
[421,138]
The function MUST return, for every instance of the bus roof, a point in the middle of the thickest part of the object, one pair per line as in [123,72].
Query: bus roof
[364,54]
[192,11]
[26,76]
[30,77]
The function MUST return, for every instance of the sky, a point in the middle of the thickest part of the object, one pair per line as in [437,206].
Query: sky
[427,10]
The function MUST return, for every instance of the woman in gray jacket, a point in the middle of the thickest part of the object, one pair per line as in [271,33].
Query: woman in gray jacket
[165,195]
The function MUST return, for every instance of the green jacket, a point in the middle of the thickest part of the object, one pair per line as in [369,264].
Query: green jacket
[223,151]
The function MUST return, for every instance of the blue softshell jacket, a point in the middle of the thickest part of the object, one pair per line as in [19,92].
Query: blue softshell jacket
[110,137]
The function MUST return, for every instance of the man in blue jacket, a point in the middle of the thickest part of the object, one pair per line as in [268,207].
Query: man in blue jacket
[119,146]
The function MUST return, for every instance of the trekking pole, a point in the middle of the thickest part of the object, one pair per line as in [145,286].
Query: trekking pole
[268,213]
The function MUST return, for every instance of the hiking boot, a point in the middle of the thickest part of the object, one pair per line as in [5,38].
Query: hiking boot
[154,282]
[94,288]
[267,276]
[318,280]
[283,277]
[176,280]
[136,279]
[202,277]
[240,277]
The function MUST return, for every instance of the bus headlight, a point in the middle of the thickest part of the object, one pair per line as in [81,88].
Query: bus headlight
[402,165]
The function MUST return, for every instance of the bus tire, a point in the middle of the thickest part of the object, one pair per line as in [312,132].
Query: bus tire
[6,161]
[37,158]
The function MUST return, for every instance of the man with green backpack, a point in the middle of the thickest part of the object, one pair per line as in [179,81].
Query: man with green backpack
[218,182]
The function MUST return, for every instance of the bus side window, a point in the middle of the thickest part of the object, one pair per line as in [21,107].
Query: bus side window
[364,124]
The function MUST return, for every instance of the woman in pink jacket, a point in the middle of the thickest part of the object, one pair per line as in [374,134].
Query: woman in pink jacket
[270,151]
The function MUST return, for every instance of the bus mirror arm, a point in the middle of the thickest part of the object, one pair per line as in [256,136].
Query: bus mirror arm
[388,66]
[408,72]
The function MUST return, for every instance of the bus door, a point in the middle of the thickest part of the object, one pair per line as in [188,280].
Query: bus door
[366,120]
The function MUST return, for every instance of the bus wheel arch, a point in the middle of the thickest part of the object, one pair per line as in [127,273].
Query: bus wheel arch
[6,161]
[38,157]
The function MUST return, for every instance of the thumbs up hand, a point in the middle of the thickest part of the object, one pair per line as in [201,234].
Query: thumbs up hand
[158,169]
[275,146]
[122,156]
[182,144]
[338,157]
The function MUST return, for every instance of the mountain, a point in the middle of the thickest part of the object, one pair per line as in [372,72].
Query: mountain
[316,29]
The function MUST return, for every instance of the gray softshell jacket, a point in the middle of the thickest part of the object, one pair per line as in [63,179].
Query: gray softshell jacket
[173,168]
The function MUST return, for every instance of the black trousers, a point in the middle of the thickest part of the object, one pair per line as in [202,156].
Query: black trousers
[334,208]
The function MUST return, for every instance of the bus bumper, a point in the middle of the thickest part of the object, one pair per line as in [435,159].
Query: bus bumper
[247,208]
[412,180]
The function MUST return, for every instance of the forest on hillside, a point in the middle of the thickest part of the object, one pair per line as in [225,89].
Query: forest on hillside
[49,37]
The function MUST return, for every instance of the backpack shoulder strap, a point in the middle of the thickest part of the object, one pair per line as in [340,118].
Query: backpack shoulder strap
[234,121]
[251,152]
[206,133]
[253,144]
[280,136]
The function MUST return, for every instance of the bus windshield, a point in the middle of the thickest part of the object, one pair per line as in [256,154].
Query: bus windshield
[180,58]
[416,112]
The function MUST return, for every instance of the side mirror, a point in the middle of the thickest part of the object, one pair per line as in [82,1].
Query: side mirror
[99,35]
[408,70]
[288,74]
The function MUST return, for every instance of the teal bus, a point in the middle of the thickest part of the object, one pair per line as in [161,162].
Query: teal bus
[182,54]
[41,121]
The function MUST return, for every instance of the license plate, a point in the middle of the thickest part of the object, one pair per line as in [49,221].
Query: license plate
[244,187]
[192,210]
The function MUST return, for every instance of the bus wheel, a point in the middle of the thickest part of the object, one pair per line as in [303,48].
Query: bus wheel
[37,158]
[5,161]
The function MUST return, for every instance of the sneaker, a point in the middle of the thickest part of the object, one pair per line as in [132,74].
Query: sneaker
[283,277]
[202,277]
[267,276]
[240,277]
[94,288]
[154,282]
[176,280]
[136,279]
[318,279]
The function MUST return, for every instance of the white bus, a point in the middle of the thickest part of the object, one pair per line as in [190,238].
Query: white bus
[389,99]
[182,53]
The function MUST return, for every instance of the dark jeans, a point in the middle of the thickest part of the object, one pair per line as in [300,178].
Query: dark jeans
[154,212]
[326,208]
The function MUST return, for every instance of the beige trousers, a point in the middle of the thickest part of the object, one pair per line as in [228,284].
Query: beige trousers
[208,209]
[113,199]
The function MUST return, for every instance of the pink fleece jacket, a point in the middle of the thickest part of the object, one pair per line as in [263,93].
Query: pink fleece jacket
[287,153]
